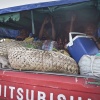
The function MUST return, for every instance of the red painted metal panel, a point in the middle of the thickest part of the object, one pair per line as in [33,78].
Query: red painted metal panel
[31,86]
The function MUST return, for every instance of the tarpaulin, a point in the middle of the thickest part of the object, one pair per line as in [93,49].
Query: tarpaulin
[17,5]
[12,16]
[9,33]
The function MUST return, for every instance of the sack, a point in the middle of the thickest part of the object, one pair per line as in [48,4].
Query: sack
[6,45]
[9,43]
[4,63]
[39,60]
[90,65]
[49,45]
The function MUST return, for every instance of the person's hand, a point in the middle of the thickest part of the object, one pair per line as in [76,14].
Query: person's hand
[45,21]
[51,21]
[20,37]
[73,17]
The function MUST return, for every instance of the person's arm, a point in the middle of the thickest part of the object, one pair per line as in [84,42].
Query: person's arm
[95,40]
[53,30]
[72,22]
[41,31]
[42,28]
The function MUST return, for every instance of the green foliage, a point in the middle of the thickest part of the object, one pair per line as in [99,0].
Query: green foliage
[31,46]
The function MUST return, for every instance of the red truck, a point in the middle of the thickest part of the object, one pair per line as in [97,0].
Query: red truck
[34,85]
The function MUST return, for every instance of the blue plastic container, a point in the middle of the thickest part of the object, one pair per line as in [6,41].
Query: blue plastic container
[81,45]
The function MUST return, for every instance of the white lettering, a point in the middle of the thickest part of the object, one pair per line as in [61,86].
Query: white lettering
[71,98]
[61,96]
[19,91]
[41,95]
[79,98]
[11,91]
[51,96]
[5,90]
[0,90]
[89,99]
[30,94]
[27,95]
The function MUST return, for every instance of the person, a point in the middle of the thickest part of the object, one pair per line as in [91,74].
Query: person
[23,34]
[47,31]
[60,42]
[63,39]
[90,30]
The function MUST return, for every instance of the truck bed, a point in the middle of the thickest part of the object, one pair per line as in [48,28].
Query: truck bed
[26,85]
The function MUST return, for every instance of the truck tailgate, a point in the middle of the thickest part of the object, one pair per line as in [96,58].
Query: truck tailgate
[35,86]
